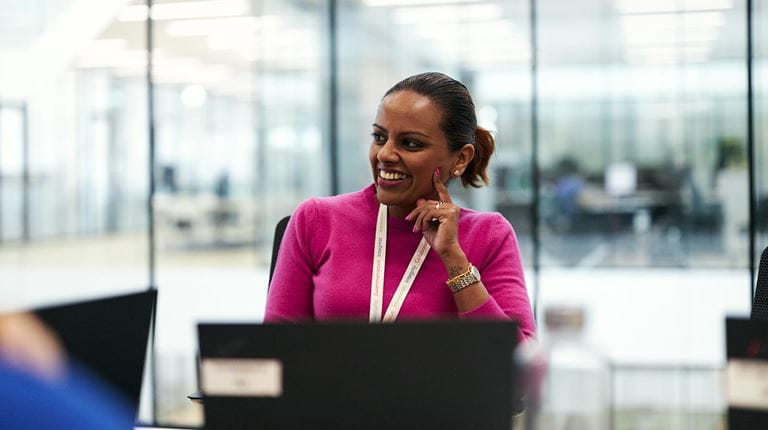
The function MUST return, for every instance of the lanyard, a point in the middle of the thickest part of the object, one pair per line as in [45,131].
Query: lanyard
[377,278]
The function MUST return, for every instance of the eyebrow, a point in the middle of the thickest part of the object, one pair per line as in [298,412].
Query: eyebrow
[405,132]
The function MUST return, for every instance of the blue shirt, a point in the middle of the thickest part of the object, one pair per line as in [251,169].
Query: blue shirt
[78,401]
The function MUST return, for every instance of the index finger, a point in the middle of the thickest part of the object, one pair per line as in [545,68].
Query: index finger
[440,187]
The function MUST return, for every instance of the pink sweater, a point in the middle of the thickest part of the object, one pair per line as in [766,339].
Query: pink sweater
[324,266]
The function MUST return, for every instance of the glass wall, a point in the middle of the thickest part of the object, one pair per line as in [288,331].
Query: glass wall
[240,90]
[760,117]
[73,126]
[485,44]
[639,136]
[643,140]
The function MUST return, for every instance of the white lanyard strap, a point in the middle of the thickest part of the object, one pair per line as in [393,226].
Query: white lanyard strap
[377,277]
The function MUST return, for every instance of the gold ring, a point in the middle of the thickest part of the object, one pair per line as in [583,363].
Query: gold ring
[434,220]
[438,204]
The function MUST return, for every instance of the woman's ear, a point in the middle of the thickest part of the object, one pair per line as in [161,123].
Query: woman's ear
[465,155]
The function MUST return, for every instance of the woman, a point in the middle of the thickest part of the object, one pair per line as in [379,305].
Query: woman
[422,256]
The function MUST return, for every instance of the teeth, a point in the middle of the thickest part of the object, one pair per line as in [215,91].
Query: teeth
[391,175]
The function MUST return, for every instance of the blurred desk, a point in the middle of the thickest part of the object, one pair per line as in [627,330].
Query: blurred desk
[602,203]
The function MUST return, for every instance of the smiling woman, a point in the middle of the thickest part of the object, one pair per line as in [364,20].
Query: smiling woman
[422,255]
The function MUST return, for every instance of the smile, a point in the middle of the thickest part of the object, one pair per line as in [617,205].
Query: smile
[391,179]
[392,176]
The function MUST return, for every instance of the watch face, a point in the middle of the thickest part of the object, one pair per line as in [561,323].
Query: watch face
[476,273]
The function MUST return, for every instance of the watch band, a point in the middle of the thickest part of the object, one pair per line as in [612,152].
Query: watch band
[459,282]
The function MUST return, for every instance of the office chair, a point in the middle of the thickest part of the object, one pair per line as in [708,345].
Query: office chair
[279,232]
[760,301]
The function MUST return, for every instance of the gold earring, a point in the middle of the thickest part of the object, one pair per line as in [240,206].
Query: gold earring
[456,173]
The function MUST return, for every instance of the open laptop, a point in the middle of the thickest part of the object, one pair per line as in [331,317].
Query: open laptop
[443,375]
[108,336]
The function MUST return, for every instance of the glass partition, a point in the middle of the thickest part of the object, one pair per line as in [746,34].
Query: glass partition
[644,219]
[483,44]
[240,90]
[760,118]
[73,152]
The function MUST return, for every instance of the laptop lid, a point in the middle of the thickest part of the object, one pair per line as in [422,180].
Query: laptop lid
[109,336]
[447,375]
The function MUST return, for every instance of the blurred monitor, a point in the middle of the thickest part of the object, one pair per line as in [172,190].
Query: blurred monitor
[621,179]
[108,336]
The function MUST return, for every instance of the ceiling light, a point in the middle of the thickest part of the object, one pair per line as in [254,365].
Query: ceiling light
[185,10]
[390,3]
[671,36]
[204,27]
[659,6]
[102,46]
[469,12]
[668,50]
[649,23]
[193,96]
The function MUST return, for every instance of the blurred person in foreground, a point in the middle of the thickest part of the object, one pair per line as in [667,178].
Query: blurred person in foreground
[401,248]
[40,389]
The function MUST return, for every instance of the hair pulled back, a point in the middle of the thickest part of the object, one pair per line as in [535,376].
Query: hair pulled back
[458,122]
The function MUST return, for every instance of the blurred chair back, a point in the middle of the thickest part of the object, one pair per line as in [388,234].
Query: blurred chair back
[279,232]
[760,301]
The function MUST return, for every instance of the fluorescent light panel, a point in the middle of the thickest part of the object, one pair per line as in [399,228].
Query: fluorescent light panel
[474,32]
[671,36]
[660,6]
[391,3]
[668,50]
[469,12]
[286,39]
[242,25]
[186,10]
[649,23]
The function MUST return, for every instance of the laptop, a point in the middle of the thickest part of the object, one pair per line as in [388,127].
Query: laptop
[747,373]
[108,336]
[411,375]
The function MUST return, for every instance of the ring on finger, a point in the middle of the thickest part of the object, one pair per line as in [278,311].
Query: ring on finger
[439,204]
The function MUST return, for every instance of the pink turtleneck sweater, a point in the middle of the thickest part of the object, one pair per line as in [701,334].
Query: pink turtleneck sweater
[323,270]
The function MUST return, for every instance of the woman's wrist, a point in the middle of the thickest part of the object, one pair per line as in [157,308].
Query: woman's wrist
[455,261]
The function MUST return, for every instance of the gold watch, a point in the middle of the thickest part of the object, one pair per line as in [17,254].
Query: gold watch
[464,280]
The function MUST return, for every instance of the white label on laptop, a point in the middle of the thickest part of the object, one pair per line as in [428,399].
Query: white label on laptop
[747,383]
[247,377]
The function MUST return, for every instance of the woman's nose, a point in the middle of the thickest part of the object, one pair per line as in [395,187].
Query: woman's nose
[387,153]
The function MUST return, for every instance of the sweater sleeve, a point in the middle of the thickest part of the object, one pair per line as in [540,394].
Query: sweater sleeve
[502,275]
[290,294]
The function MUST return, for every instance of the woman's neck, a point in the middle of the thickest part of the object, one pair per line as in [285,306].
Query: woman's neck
[399,212]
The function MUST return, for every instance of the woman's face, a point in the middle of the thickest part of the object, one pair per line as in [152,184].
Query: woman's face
[408,145]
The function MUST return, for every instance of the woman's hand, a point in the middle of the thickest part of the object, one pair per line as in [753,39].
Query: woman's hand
[438,220]
[442,234]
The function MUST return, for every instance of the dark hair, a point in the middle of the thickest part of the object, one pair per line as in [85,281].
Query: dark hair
[459,121]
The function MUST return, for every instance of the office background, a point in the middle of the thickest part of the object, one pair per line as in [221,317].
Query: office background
[624,160]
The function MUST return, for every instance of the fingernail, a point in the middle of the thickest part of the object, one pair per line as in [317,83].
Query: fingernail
[408,218]
[437,171]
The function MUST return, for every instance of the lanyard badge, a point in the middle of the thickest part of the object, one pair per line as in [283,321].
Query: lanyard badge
[377,278]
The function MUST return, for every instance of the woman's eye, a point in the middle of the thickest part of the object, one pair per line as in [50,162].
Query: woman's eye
[377,137]
[411,144]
